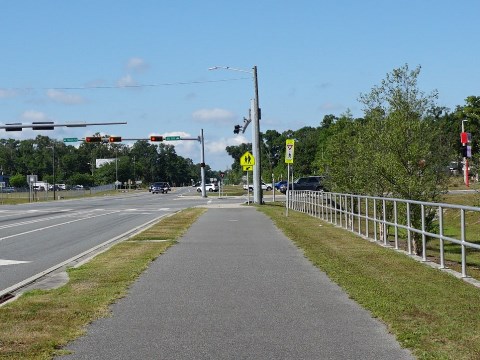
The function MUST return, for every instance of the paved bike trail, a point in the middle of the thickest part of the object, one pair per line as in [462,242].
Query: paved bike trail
[235,287]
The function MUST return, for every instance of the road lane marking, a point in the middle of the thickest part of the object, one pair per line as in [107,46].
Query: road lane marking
[12,262]
[55,225]
[27,222]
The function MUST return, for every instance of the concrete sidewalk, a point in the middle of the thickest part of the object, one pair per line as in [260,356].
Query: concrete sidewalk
[235,287]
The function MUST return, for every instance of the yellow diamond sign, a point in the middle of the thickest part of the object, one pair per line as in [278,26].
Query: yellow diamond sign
[247,159]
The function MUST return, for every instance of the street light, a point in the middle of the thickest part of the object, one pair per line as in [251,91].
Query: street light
[257,176]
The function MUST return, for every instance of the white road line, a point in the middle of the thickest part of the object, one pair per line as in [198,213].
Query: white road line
[43,219]
[12,262]
[55,225]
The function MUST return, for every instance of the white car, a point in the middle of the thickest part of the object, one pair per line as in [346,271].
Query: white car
[267,187]
[208,187]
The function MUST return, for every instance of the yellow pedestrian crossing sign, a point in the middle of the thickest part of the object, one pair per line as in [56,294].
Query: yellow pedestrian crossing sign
[289,150]
[247,159]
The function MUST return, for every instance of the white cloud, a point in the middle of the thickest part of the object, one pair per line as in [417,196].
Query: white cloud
[126,81]
[64,98]
[137,64]
[5,93]
[213,116]
[32,115]
[218,146]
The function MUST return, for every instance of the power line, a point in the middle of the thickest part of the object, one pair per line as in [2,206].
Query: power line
[125,86]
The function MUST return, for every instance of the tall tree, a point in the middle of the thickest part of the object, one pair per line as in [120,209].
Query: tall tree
[396,149]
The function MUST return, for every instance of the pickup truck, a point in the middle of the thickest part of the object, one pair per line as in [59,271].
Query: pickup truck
[208,187]
[267,187]
[160,187]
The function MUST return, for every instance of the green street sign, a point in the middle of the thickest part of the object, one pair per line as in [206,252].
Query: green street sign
[70,139]
[170,138]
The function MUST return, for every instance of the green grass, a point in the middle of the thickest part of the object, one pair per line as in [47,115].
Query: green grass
[40,322]
[432,313]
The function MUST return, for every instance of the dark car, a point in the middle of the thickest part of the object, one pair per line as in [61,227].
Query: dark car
[313,183]
[160,187]
[279,184]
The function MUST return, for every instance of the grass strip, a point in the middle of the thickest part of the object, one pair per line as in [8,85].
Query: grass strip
[432,313]
[41,322]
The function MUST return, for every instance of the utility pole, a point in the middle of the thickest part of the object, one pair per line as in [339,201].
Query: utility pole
[202,167]
[257,169]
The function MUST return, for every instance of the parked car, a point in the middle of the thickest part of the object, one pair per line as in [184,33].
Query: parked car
[160,187]
[267,187]
[208,187]
[7,189]
[279,184]
[313,183]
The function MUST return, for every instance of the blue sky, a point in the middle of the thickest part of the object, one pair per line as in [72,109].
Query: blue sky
[67,61]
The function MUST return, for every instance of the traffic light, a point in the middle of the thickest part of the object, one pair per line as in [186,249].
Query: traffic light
[236,130]
[12,127]
[156,138]
[115,139]
[43,125]
[93,139]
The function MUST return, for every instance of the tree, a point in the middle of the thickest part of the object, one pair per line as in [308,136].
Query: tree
[18,181]
[396,149]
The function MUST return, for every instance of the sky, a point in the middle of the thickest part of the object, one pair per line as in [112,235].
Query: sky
[147,63]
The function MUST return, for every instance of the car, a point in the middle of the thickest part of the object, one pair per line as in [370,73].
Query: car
[7,189]
[279,184]
[312,183]
[160,187]
[208,187]
[267,187]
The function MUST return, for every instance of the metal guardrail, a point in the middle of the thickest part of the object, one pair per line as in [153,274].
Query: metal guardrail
[375,217]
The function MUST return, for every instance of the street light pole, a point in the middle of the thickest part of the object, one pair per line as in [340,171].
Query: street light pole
[257,169]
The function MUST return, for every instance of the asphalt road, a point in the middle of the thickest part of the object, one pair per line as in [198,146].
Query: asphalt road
[38,236]
[235,287]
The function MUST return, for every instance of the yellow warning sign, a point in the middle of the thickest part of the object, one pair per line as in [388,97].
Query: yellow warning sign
[289,150]
[247,168]
[247,159]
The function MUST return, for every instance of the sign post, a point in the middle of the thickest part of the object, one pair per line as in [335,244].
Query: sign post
[289,151]
[247,160]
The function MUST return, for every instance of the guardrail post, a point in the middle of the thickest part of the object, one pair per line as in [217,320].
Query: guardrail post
[359,204]
[352,213]
[384,224]
[367,218]
[409,235]
[395,216]
[424,238]
[440,232]
[464,256]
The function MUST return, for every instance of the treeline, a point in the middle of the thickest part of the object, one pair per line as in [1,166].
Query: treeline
[403,145]
[143,162]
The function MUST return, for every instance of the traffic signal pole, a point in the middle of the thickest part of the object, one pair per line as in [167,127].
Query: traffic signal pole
[257,169]
[202,166]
